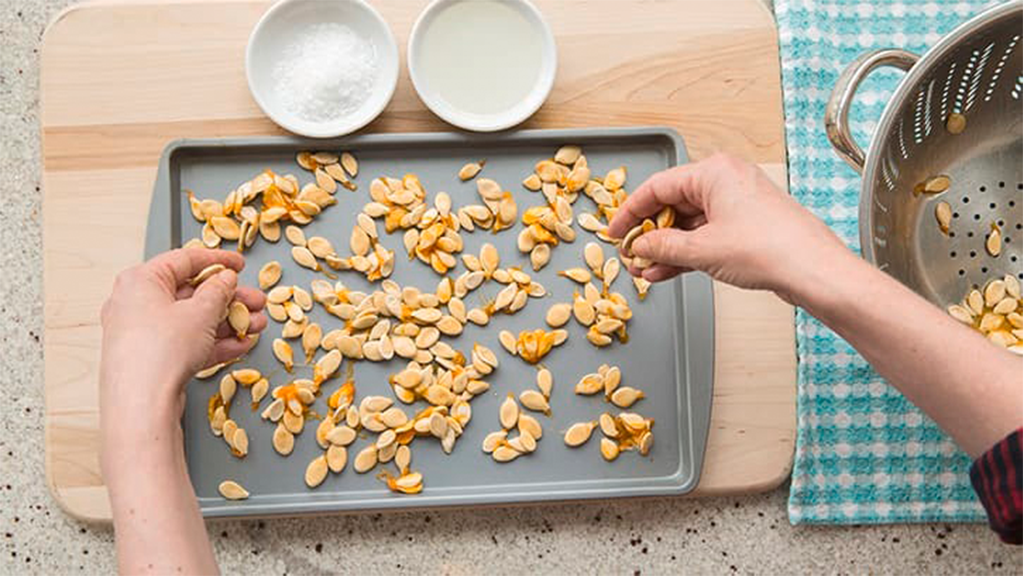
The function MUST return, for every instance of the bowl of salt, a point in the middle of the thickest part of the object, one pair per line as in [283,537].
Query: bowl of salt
[321,68]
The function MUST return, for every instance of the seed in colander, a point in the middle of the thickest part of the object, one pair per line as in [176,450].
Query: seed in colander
[944,216]
[994,242]
[994,292]
[579,433]
[961,314]
[936,184]
[976,302]
[956,123]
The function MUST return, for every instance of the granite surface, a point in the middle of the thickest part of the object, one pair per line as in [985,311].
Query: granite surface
[721,535]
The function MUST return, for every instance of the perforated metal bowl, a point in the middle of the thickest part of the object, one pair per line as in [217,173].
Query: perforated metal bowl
[974,71]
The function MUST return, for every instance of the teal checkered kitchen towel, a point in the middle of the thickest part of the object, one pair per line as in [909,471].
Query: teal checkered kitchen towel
[864,454]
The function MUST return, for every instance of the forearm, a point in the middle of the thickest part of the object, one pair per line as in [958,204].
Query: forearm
[156,518]
[969,387]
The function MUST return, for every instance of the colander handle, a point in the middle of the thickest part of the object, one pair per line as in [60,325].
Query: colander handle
[837,111]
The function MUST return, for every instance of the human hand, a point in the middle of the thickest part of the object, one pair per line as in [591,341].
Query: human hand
[732,223]
[158,331]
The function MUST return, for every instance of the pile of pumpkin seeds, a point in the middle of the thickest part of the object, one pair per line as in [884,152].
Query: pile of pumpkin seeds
[994,310]
[404,321]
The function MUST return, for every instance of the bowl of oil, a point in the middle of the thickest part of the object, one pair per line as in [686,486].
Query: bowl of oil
[482,65]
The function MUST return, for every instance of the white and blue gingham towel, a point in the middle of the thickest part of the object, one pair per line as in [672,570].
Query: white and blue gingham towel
[864,454]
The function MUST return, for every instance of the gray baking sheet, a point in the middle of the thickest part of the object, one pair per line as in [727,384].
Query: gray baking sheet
[669,356]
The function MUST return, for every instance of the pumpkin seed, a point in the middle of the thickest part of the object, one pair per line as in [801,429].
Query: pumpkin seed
[990,322]
[303,257]
[976,302]
[609,449]
[316,471]
[240,443]
[1005,306]
[366,459]
[1012,286]
[994,292]
[944,216]
[540,255]
[532,182]
[614,179]
[568,155]
[608,427]
[504,453]
[646,442]
[232,490]
[228,386]
[545,382]
[283,352]
[610,380]
[470,170]
[534,400]
[508,413]
[590,384]
[955,123]
[284,441]
[583,311]
[494,440]
[610,271]
[598,339]
[238,318]
[579,433]
[625,397]
[581,275]
[269,275]
[295,235]
[311,337]
[246,376]
[207,273]
[593,255]
[508,341]
[994,242]
[259,390]
[936,184]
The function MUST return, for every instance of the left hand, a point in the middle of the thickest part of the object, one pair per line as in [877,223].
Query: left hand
[158,331]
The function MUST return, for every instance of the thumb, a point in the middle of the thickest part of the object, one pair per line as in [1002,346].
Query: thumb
[678,248]
[210,300]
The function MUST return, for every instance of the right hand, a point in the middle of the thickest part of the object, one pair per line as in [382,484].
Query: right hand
[731,223]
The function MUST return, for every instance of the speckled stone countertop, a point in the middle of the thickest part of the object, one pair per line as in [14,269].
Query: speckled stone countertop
[720,536]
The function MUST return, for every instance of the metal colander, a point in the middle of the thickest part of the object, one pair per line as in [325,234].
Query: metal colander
[974,71]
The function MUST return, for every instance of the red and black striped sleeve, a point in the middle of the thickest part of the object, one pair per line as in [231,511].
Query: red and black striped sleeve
[996,477]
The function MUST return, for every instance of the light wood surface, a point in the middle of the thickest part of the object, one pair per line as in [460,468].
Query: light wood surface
[119,80]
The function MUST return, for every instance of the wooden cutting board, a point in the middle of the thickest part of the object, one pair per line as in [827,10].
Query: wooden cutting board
[120,80]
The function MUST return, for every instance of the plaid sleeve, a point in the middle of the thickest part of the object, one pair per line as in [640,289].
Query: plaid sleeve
[996,477]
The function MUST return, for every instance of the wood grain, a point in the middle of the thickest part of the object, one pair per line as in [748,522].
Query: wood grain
[121,79]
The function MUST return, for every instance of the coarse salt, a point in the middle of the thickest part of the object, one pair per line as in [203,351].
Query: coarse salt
[326,73]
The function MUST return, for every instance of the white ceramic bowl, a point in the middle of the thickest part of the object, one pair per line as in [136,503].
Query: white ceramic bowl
[282,23]
[484,122]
